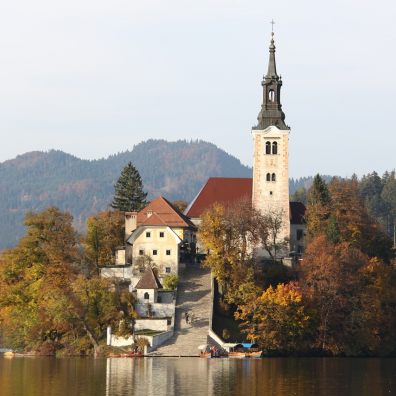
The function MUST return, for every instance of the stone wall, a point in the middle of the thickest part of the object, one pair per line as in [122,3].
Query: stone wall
[116,272]
[159,310]
[152,324]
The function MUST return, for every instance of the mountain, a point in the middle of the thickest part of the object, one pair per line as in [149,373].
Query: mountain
[36,180]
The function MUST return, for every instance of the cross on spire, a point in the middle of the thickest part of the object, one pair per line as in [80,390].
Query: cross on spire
[272,28]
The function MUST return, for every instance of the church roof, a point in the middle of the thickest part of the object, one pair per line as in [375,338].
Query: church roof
[228,190]
[149,281]
[222,190]
[160,212]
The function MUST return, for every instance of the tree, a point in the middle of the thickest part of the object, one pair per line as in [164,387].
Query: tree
[180,204]
[105,232]
[170,282]
[277,319]
[129,195]
[232,235]
[47,301]
[353,298]
[318,209]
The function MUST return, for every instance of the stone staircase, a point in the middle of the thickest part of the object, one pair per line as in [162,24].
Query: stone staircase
[193,296]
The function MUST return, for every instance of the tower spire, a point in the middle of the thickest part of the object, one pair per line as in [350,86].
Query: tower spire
[271,73]
[271,109]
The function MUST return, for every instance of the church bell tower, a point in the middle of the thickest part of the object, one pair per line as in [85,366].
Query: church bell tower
[271,151]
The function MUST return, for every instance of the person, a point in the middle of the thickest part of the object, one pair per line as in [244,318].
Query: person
[186,316]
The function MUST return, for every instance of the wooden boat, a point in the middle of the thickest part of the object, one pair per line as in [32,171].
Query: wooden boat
[8,354]
[236,354]
[253,354]
[206,355]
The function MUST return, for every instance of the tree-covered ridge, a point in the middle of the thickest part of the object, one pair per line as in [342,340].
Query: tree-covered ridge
[36,180]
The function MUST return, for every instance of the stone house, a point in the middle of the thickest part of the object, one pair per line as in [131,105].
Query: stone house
[158,237]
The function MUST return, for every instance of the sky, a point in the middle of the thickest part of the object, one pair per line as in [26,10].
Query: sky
[96,77]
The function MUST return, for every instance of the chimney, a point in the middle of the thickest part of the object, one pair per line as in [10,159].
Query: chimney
[130,223]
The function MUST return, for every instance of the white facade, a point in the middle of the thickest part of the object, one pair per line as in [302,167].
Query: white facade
[271,174]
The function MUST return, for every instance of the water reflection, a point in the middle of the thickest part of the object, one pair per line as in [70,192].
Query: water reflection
[195,376]
[182,376]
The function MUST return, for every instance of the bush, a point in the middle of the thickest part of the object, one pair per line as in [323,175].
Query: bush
[171,282]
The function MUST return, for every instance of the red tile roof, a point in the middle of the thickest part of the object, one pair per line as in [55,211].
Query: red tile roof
[226,191]
[161,212]
[222,190]
[149,281]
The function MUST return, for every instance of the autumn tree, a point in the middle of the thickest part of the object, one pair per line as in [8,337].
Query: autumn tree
[105,232]
[129,195]
[353,297]
[277,320]
[232,235]
[47,303]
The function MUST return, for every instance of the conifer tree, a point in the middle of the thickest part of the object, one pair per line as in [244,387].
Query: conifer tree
[129,195]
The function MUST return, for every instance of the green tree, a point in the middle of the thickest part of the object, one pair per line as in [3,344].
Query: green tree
[170,282]
[129,195]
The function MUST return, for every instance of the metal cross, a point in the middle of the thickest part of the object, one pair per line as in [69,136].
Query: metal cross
[272,23]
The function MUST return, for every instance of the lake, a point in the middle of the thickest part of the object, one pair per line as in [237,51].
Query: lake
[195,376]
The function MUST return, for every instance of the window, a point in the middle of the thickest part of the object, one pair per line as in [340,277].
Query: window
[270,192]
[271,95]
[268,177]
[162,234]
[167,270]
[268,148]
[168,322]
[141,252]
[146,296]
[273,177]
[274,148]
[155,252]
[148,234]
[168,252]
[300,235]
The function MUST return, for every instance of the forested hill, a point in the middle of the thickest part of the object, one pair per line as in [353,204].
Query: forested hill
[35,180]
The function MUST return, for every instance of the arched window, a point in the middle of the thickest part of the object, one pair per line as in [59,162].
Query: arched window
[273,177]
[268,148]
[268,177]
[146,296]
[274,148]
[271,95]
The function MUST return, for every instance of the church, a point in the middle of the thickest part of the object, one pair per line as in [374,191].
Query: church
[268,190]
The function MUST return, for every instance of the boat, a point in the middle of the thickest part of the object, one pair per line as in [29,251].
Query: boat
[206,355]
[236,354]
[253,354]
[8,354]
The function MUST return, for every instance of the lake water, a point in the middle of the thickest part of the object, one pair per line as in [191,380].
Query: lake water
[195,376]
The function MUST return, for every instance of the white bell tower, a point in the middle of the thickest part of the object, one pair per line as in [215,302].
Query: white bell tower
[271,151]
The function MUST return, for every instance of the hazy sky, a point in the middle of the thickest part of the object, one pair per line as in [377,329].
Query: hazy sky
[94,77]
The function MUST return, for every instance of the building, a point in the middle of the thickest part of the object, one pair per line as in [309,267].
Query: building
[158,237]
[268,190]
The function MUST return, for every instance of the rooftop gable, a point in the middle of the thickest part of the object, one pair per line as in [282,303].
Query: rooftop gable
[161,212]
[149,280]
